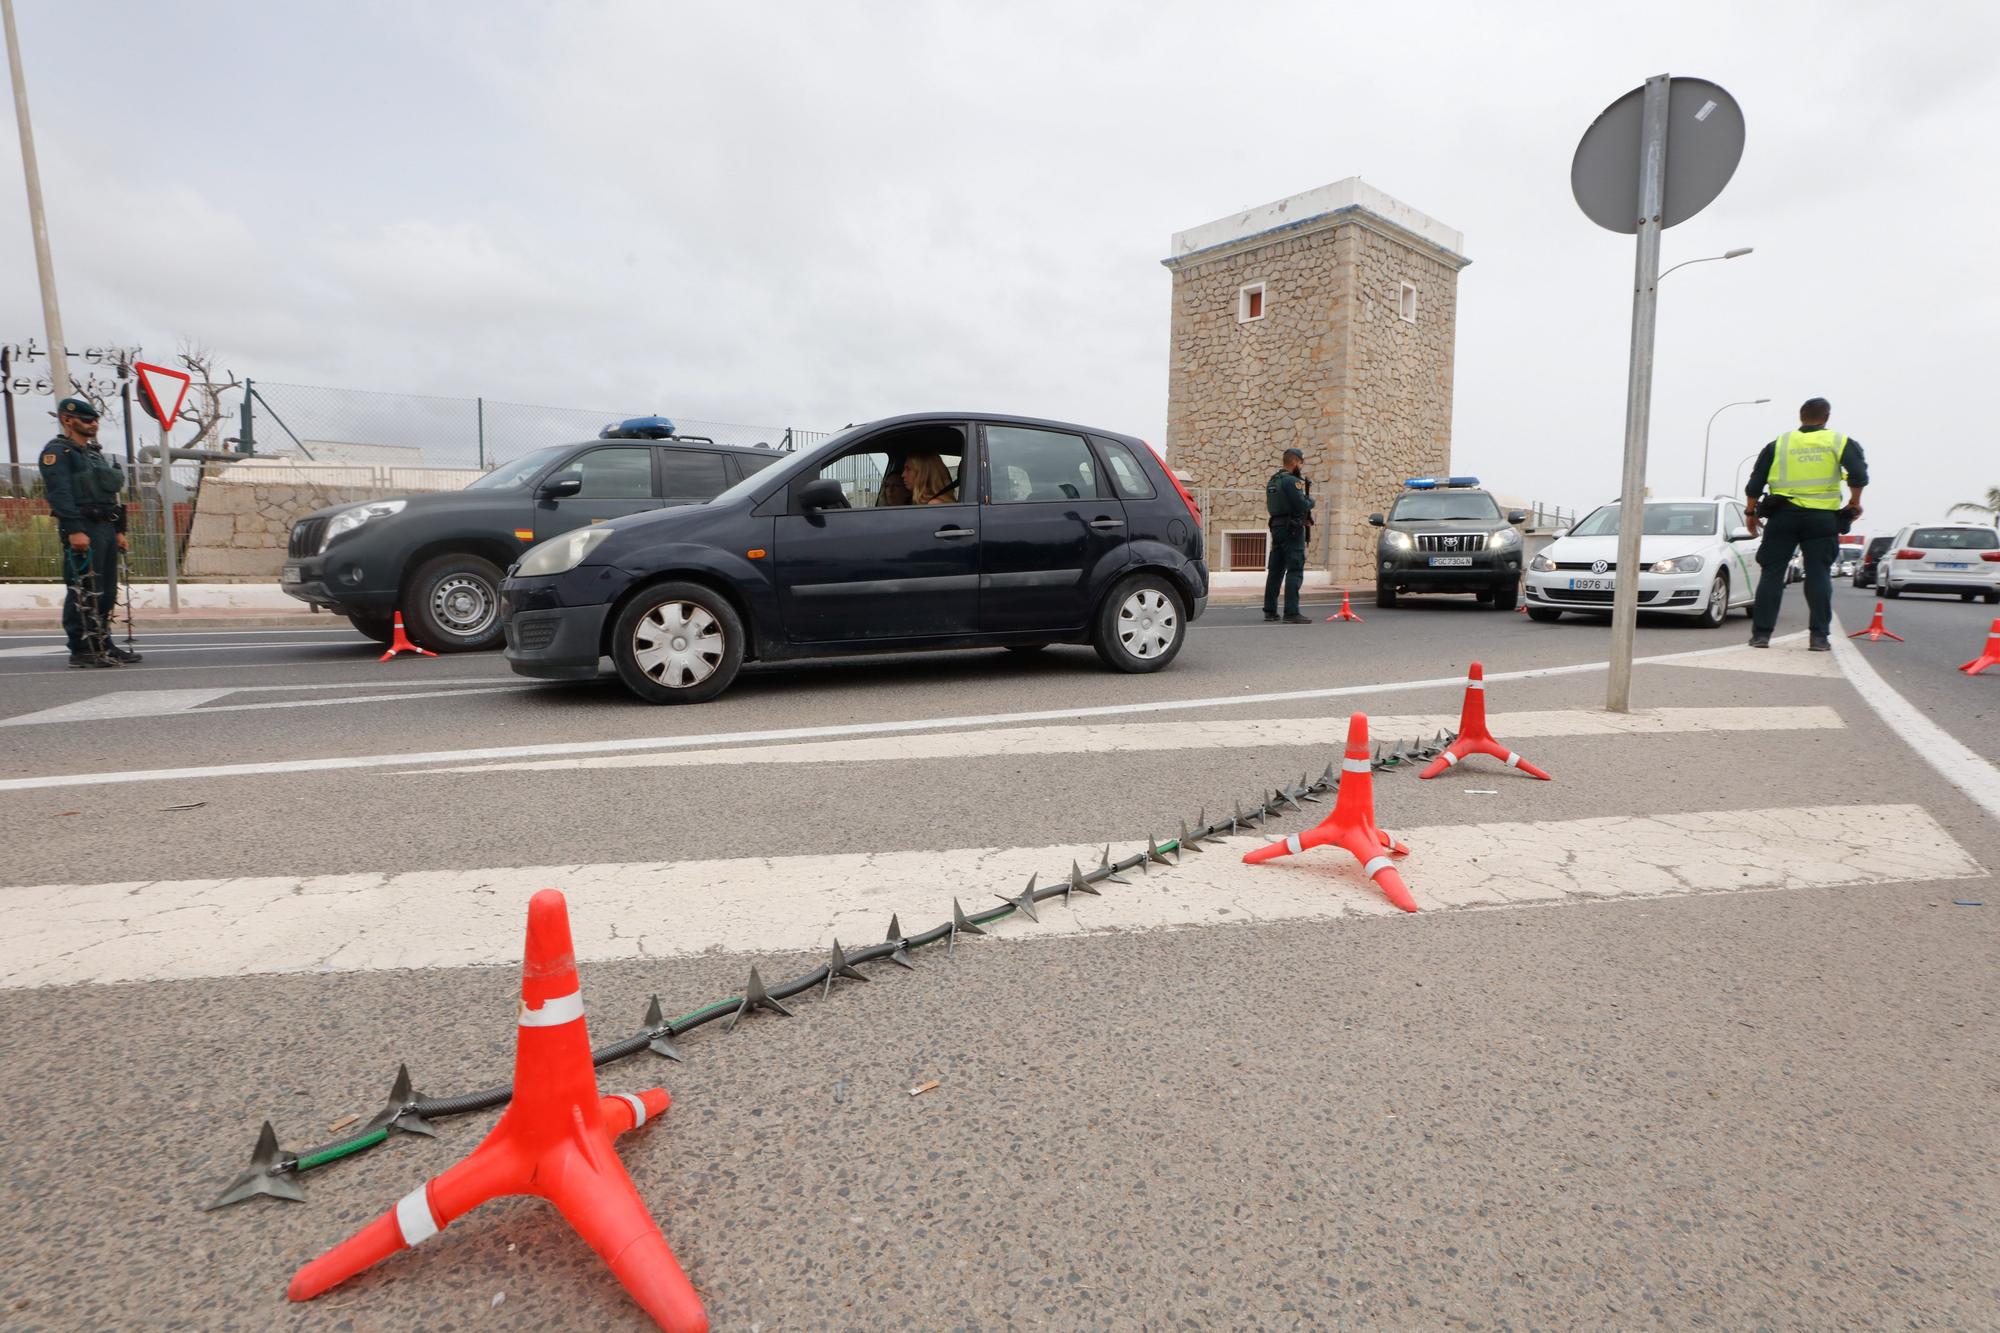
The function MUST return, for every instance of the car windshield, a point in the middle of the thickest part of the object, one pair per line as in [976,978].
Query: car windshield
[1955,539]
[517,472]
[1662,520]
[1445,505]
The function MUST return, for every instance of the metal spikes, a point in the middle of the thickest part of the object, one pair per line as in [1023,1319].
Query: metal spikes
[1025,903]
[1078,884]
[901,958]
[655,1022]
[400,1111]
[754,997]
[261,1176]
[838,966]
[959,923]
[1104,869]
[1188,842]
[1154,854]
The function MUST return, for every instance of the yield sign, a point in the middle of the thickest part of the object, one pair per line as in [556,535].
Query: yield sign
[162,391]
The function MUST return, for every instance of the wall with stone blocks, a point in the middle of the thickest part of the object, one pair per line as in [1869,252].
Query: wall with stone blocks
[240,528]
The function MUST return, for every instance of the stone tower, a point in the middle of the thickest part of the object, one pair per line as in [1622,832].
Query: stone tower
[1324,321]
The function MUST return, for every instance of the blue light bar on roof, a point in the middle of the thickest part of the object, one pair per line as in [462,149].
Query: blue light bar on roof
[1432,483]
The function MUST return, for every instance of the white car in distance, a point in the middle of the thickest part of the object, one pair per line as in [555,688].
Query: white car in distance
[1962,558]
[1696,558]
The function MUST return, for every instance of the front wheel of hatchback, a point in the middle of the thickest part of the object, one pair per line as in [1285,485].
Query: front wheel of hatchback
[1716,609]
[453,605]
[1141,625]
[677,643]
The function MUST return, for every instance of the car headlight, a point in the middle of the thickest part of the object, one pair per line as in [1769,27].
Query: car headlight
[1541,564]
[347,520]
[562,554]
[1397,541]
[1504,538]
[1684,564]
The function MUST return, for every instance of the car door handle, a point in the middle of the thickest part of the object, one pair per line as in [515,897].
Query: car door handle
[954,532]
[1106,524]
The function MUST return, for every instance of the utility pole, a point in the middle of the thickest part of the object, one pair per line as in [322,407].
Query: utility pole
[37,219]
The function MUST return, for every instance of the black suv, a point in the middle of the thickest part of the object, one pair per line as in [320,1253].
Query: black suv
[1864,568]
[940,530]
[1444,534]
[438,558]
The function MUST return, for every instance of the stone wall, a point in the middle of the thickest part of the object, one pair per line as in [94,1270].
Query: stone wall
[1331,368]
[240,526]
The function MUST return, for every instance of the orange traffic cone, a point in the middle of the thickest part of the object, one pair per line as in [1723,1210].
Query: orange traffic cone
[1988,656]
[554,1141]
[399,642]
[1475,738]
[1875,632]
[1346,611]
[1352,824]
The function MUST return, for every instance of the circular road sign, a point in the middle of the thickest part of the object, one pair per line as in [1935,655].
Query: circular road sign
[1704,144]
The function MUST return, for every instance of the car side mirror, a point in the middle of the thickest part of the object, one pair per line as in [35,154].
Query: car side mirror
[1374,520]
[1740,534]
[1517,516]
[821,493]
[1559,534]
[557,487]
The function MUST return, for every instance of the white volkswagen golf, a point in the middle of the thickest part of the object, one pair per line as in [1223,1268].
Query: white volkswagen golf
[1696,558]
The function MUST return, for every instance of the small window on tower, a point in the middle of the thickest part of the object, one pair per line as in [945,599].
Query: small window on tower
[1406,304]
[1250,303]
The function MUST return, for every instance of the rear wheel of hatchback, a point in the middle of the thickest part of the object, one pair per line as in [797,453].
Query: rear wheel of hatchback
[1141,624]
[678,643]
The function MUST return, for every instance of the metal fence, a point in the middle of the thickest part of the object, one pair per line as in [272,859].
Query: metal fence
[31,550]
[359,426]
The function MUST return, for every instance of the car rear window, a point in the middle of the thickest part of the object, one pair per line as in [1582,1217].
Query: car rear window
[1955,539]
[1030,465]
[1128,476]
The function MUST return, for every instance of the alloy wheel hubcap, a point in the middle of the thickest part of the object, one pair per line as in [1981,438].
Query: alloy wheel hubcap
[678,644]
[1147,623]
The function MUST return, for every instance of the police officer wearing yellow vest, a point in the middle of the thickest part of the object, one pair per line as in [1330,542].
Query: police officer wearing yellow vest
[82,486]
[1798,478]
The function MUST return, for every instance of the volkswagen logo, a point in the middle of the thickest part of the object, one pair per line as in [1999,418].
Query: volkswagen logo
[1598,566]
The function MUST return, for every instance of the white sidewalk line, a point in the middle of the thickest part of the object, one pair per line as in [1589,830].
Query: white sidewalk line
[1960,765]
[1238,733]
[52,935]
[627,745]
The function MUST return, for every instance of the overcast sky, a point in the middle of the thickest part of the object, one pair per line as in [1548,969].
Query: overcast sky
[812,214]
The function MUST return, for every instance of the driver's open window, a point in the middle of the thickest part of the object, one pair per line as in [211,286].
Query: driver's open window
[920,465]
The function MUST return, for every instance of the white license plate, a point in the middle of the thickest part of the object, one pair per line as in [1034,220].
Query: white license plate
[1590,585]
[1952,564]
[1449,560]
[291,574]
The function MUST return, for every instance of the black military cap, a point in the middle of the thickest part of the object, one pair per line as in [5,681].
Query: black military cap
[1299,454]
[77,407]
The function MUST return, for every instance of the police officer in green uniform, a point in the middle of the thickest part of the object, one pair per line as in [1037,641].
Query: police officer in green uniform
[1288,500]
[1798,477]
[82,486]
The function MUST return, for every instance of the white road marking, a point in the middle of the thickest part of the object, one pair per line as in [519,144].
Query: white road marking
[1961,766]
[127,704]
[1785,657]
[1243,733]
[632,744]
[67,934]
[149,635]
[149,649]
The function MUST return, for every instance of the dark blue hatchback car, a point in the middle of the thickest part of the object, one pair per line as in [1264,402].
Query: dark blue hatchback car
[940,530]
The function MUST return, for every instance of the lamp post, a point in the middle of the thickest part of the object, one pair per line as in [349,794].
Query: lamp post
[1737,253]
[1747,402]
[1741,463]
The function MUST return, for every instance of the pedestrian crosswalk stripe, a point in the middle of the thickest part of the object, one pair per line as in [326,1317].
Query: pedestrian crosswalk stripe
[52,935]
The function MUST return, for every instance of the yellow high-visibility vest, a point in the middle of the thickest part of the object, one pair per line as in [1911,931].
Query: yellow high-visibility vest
[1805,468]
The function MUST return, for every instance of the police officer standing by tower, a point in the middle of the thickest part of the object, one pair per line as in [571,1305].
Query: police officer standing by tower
[1288,500]
[1798,477]
[82,485]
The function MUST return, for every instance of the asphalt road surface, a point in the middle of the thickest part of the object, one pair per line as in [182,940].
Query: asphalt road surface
[1701,1033]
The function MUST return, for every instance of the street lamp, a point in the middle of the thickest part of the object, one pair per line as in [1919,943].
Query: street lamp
[1747,402]
[1737,253]
[1740,463]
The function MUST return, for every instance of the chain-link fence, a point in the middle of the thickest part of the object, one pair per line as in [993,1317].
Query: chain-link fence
[31,550]
[358,426]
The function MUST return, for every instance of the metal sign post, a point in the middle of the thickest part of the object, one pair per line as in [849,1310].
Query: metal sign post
[1625,181]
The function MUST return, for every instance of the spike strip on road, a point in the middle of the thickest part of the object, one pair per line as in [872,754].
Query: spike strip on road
[272,1171]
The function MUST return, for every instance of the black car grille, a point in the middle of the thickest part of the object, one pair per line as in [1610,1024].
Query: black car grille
[533,634]
[1610,566]
[307,535]
[1592,595]
[1451,543]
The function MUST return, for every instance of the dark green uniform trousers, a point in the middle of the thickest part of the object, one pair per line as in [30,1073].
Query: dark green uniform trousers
[1815,534]
[1287,564]
[92,579]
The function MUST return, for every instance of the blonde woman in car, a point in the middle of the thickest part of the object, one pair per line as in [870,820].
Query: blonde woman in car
[928,479]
